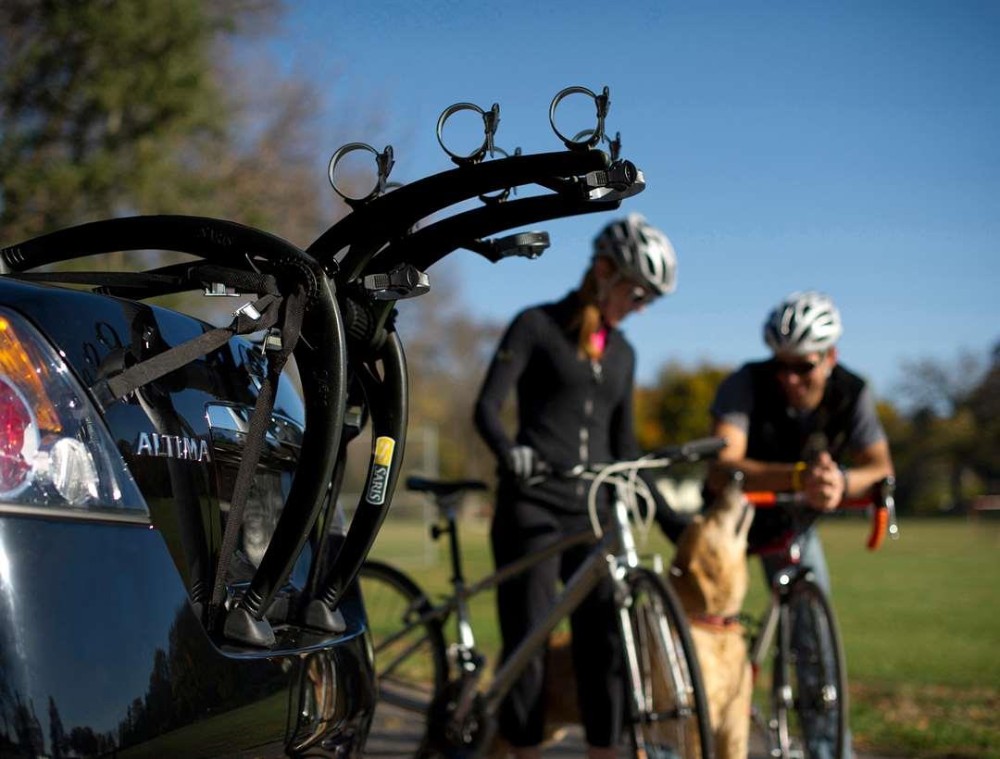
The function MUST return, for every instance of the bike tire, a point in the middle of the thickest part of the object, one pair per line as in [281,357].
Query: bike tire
[668,711]
[809,687]
[411,662]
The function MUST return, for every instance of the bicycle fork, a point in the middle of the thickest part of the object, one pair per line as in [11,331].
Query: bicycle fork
[642,705]
[775,623]
[776,635]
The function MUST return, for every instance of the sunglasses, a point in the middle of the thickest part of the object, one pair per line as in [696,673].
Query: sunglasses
[798,368]
[640,295]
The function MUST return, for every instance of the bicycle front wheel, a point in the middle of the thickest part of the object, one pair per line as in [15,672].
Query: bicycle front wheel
[810,684]
[410,659]
[669,716]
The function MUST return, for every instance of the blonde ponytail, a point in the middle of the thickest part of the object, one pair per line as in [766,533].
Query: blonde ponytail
[588,319]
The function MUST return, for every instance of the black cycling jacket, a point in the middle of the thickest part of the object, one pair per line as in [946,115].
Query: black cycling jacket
[571,410]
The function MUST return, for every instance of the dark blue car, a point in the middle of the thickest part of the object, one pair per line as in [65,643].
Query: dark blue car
[112,519]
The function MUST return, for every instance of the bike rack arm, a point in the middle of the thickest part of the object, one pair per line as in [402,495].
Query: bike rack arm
[388,404]
[429,245]
[365,231]
[323,373]
[224,242]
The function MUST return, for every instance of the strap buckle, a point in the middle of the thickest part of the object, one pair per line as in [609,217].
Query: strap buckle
[271,341]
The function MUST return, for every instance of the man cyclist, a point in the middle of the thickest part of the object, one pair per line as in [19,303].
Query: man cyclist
[573,373]
[801,422]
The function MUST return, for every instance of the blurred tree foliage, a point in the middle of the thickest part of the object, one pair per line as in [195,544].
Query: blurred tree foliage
[947,448]
[675,408]
[448,350]
[110,108]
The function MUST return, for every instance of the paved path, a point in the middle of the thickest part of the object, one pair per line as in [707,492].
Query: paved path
[396,734]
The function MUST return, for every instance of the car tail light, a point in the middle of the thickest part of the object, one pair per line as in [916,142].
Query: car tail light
[55,451]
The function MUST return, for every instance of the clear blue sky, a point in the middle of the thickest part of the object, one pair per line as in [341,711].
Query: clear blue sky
[852,147]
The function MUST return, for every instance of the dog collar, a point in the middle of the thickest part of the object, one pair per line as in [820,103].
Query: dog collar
[715,621]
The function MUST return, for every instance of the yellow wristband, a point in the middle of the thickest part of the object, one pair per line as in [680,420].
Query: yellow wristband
[800,467]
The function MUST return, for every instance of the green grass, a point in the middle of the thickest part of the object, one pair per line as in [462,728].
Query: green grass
[920,619]
[225,735]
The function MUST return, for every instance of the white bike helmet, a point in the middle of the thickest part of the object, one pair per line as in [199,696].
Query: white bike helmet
[805,322]
[641,251]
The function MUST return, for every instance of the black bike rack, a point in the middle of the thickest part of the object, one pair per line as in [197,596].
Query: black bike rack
[355,272]
[375,247]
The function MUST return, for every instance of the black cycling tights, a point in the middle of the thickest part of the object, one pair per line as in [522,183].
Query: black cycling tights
[522,527]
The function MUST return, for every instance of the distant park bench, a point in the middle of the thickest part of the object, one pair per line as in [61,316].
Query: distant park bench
[985,506]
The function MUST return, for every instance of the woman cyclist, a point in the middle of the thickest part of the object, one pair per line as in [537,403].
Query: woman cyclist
[572,371]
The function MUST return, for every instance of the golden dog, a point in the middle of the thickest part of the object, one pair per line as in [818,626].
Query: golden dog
[710,576]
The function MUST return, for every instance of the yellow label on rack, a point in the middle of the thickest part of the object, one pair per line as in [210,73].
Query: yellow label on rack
[384,446]
[378,482]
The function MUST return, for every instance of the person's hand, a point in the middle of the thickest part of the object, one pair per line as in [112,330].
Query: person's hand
[523,461]
[823,483]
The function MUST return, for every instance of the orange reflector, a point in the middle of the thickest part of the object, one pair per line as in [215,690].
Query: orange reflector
[29,376]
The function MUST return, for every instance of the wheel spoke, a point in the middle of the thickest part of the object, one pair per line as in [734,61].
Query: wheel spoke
[669,718]
[410,659]
[808,681]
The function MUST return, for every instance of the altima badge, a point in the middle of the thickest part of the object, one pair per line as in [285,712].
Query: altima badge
[172,447]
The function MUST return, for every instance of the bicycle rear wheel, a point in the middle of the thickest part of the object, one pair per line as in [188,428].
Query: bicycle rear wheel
[669,716]
[410,659]
[809,684]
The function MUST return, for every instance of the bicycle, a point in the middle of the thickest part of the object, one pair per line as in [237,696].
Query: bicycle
[418,673]
[808,689]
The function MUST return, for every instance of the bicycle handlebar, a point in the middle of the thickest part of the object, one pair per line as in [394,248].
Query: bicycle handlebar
[880,498]
[692,450]
[661,458]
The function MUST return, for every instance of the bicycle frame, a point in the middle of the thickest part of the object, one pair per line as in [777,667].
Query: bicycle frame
[610,556]
[612,552]
[776,615]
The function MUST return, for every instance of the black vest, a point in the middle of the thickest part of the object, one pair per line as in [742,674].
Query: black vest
[776,435]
